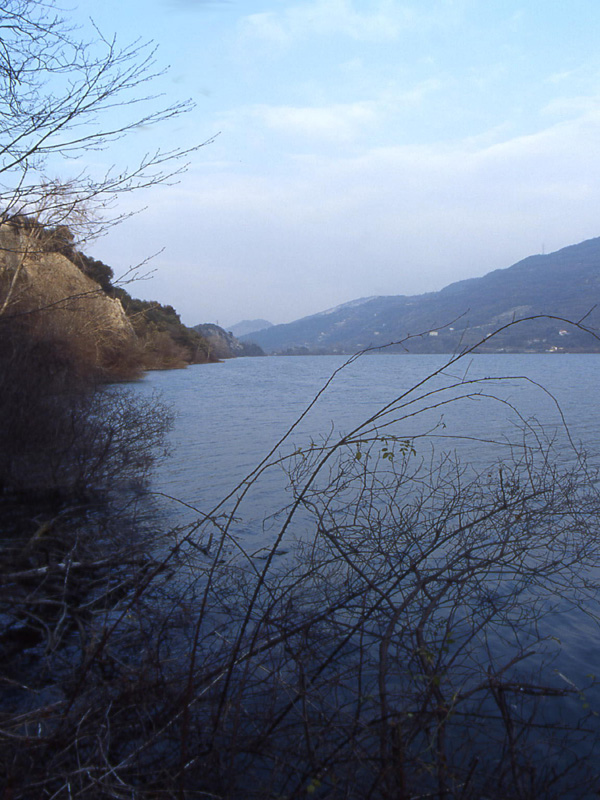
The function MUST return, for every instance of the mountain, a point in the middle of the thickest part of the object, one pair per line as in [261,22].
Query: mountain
[249,326]
[565,284]
[222,344]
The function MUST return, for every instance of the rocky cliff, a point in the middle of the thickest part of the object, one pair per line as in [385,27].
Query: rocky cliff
[68,300]
[60,302]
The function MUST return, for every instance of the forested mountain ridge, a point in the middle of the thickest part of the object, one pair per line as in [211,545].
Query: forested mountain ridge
[565,283]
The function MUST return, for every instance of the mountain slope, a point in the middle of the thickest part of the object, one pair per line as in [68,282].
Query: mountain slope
[70,298]
[223,344]
[247,326]
[565,283]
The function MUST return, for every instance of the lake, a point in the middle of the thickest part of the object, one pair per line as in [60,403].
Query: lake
[230,415]
[473,417]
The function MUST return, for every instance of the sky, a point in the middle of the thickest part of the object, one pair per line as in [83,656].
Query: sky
[358,147]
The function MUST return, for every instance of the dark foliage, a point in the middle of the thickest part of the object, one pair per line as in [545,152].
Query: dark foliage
[61,431]
[223,344]
[165,340]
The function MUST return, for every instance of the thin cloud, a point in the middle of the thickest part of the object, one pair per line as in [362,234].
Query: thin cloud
[394,220]
[384,22]
[342,123]
[196,5]
[572,106]
[336,122]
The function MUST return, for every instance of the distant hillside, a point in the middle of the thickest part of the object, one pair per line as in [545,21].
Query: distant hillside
[249,326]
[222,344]
[565,283]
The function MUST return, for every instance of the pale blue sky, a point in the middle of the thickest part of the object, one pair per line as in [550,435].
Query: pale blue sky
[364,147]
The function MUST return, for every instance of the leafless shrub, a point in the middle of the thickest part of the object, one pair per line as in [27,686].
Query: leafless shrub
[59,430]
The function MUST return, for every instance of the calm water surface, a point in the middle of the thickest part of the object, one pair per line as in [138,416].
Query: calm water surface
[230,415]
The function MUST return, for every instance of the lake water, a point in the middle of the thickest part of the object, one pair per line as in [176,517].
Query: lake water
[231,416]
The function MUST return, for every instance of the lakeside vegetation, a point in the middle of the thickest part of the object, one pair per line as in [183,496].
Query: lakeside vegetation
[156,339]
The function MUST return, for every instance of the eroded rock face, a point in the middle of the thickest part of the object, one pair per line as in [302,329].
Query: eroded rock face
[61,302]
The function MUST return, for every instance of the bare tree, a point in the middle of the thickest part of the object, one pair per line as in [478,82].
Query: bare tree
[61,96]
